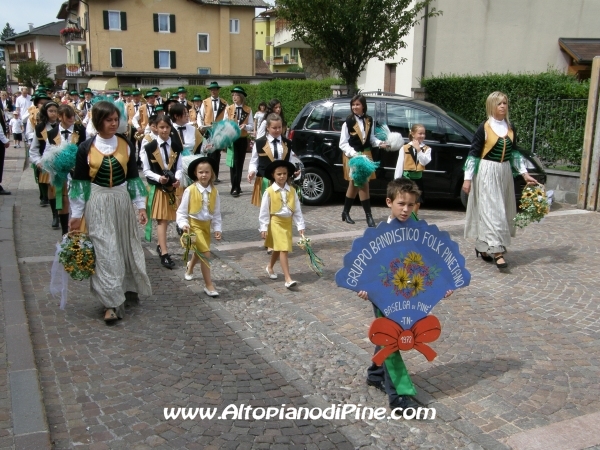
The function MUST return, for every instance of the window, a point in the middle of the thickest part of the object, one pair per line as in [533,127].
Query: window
[294,52]
[164,23]
[164,59]
[452,135]
[342,110]
[401,118]
[115,20]
[116,57]
[202,42]
[319,118]
[196,82]
[277,51]
[258,54]
[203,71]
[150,81]
[234,26]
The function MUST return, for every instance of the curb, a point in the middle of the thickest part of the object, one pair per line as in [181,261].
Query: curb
[30,427]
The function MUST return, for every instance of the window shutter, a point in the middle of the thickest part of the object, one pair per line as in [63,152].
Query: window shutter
[119,58]
[123,20]
[172,23]
[155,20]
[113,58]
[105,17]
[156,60]
[173,61]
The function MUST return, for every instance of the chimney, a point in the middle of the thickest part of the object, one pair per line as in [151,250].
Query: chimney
[30,26]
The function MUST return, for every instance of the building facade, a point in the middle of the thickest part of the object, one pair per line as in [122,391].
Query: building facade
[273,46]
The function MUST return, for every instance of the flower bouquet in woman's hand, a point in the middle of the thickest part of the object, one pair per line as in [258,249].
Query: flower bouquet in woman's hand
[534,206]
[77,255]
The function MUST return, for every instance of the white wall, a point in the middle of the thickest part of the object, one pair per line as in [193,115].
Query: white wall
[49,49]
[499,36]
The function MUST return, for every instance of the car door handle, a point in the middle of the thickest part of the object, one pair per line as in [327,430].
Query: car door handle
[459,157]
[328,142]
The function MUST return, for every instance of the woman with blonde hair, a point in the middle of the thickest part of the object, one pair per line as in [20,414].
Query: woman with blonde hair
[489,182]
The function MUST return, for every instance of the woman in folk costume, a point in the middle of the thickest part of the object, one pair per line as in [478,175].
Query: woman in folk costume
[267,149]
[104,186]
[242,114]
[47,121]
[67,132]
[356,139]
[199,211]
[162,168]
[489,182]
[412,160]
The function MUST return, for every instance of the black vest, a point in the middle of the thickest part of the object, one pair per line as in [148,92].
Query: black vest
[38,132]
[154,166]
[76,127]
[263,158]
[354,140]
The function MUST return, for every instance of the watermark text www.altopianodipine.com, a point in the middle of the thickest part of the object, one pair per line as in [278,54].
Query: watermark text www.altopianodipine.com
[283,412]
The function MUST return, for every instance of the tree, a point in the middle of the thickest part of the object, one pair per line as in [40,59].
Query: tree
[7,32]
[2,78]
[31,73]
[348,33]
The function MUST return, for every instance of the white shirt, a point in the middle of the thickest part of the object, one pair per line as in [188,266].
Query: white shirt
[34,150]
[148,173]
[62,136]
[250,124]
[189,135]
[253,167]
[136,118]
[200,118]
[423,157]
[106,147]
[23,103]
[16,125]
[146,142]
[265,209]
[345,135]
[183,211]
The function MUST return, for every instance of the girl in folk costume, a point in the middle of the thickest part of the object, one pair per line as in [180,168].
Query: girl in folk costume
[195,111]
[260,115]
[200,209]
[242,114]
[267,149]
[67,132]
[104,185]
[279,208]
[214,109]
[412,160]
[153,132]
[356,139]
[162,168]
[274,106]
[48,120]
[189,137]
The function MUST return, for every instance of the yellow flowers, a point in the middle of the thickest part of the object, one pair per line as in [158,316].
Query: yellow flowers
[533,206]
[401,279]
[417,285]
[77,256]
[413,258]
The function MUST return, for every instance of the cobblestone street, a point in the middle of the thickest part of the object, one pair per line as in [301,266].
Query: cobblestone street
[517,357]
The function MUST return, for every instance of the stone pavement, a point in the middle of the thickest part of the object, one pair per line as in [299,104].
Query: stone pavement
[518,351]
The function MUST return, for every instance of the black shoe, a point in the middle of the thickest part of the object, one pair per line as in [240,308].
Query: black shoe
[166,261]
[158,250]
[55,222]
[404,402]
[503,265]
[217,181]
[3,192]
[44,203]
[370,221]
[346,218]
[484,256]
[131,298]
[235,193]
[377,385]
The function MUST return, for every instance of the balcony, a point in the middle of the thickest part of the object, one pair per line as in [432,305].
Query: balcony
[283,60]
[73,38]
[20,57]
[72,70]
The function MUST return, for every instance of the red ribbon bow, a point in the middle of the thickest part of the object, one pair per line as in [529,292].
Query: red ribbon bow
[392,337]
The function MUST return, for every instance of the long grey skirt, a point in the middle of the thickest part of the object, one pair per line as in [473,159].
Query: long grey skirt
[491,209]
[113,229]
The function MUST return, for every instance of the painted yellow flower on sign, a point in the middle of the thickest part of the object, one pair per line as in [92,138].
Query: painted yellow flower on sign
[417,285]
[401,279]
[413,258]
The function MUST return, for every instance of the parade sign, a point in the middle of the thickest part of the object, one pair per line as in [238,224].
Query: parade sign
[405,267]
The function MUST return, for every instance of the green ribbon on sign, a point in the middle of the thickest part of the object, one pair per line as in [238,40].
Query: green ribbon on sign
[149,212]
[398,372]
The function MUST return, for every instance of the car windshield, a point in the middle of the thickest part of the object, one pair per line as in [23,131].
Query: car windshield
[464,122]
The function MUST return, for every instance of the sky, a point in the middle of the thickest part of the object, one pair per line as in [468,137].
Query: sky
[38,12]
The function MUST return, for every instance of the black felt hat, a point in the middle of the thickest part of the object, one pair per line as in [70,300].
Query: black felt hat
[195,162]
[279,163]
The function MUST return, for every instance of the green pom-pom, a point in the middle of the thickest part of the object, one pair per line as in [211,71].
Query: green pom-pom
[362,168]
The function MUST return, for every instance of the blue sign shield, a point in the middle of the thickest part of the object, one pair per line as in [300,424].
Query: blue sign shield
[405,267]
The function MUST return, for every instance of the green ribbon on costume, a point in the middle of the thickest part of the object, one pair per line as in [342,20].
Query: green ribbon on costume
[398,372]
[59,196]
[229,158]
[412,174]
[36,173]
[149,212]
[265,183]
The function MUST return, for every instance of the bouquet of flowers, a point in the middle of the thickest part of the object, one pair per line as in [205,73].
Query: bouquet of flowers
[534,206]
[77,255]
[188,241]
[314,262]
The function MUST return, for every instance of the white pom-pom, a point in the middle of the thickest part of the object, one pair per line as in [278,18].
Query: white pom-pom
[395,141]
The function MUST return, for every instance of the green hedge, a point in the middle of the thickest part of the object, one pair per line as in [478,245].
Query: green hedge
[560,129]
[293,94]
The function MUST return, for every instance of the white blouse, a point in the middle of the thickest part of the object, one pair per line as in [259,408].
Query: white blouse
[265,209]
[183,211]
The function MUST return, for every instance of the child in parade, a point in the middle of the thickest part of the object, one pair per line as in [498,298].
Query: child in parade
[213,109]
[105,184]
[413,158]
[16,128]
[189,137]
[162,168]
[200,209]
[401,198]
[279,208]
[67,131]
[242,114]
[48,119]
[260,115]
[274,106]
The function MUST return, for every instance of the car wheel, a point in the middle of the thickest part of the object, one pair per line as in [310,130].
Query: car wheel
[464,198]
[316,188]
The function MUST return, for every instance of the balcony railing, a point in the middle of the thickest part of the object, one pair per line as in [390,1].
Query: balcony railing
[19,57]
[72,70]
[76,36]
[282,60]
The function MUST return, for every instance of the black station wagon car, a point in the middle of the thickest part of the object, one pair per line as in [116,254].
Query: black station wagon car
[315,135]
